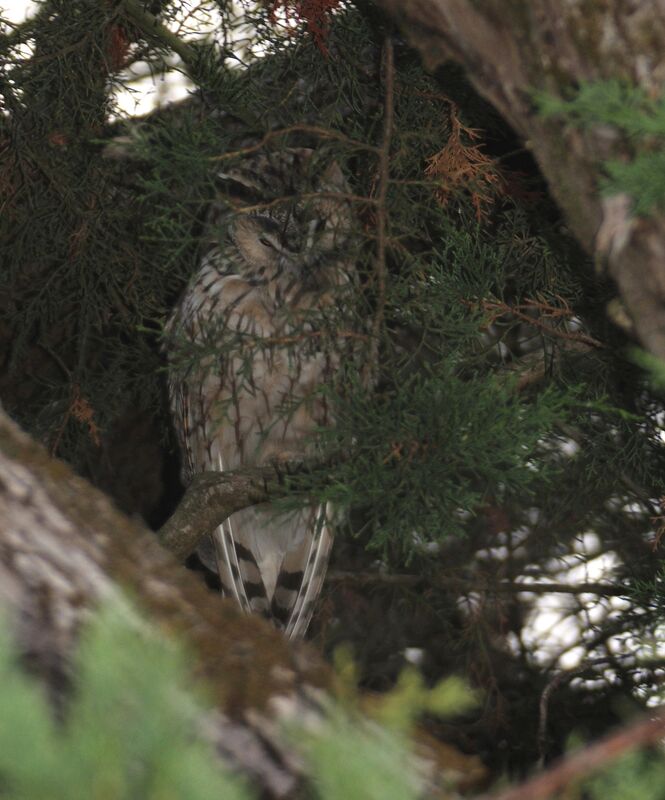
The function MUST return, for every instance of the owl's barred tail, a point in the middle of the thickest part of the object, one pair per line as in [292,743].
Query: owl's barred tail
[275,566]
[239,573]
[301,577]
[237,568]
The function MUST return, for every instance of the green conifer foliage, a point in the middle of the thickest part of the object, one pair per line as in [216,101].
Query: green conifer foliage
[638,122]
[129,729]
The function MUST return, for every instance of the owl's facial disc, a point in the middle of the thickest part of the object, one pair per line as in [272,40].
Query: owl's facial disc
[260,244]
[269,240]
[294,240]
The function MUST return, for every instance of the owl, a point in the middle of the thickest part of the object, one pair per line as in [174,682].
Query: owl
[252,345]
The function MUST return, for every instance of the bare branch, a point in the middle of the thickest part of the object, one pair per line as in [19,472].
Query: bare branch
[212,497]
[647,729]
[324,133]
[153,30]
[604,589]
[406,579]
[500,308]
[552,686]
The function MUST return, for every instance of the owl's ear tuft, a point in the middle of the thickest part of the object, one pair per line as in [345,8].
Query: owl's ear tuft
[333,177]
[238,185]
[236,177]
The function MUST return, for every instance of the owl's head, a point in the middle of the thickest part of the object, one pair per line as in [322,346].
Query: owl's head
[292,218]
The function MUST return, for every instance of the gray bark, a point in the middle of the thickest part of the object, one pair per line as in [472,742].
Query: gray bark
[212,497]
[64,548]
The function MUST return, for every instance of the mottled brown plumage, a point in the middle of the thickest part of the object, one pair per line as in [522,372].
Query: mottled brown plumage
[253,341]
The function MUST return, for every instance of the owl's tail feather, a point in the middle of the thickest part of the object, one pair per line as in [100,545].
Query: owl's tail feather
[239,573]
[237,568]
[301,577]
[275,567]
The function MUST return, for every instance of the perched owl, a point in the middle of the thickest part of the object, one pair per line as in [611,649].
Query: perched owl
[252,342]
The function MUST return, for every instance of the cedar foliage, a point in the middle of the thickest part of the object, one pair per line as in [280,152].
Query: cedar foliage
[639,121]
[507,425]
[126,681]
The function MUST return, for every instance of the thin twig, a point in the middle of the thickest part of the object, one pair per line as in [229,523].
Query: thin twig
[500,308]
[381,210]
[582,763]
[324,133]
[603,589]
[564,676]
[352,198]
[385,578]
[543,710]
[512,587]
[153,29]
[299,337]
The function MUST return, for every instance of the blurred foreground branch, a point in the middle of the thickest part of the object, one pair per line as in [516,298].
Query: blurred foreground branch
[64,549]
[582,763]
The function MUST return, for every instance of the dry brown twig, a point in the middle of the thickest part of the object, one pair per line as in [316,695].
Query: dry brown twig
[314,130]
[465,167]
[277,201]
[79,409]
[521,311]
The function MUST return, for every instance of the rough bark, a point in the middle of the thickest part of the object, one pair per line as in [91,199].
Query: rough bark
[63,548]
[212,497]
[510,49]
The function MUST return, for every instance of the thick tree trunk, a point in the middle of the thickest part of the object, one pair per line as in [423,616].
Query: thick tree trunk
[63,548]
[511,49]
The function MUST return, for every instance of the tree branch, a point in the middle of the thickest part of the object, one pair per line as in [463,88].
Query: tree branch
[153,30]
[512,587]
[604,589]
[315,130]
[212,497]
[580,764]
[64,548]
